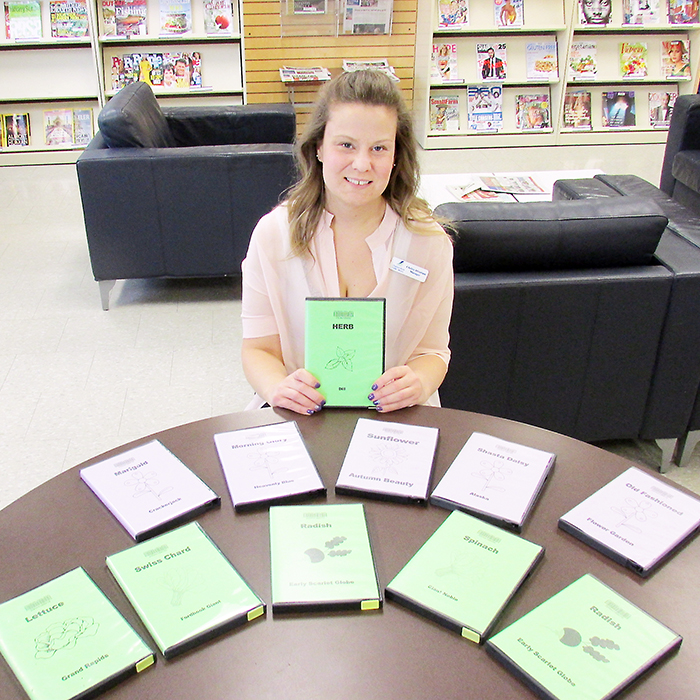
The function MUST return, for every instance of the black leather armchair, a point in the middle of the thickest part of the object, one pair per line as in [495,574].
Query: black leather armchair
[673,413]
[558,313]
[177,192]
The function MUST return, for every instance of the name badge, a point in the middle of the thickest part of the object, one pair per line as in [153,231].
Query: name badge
[403,267]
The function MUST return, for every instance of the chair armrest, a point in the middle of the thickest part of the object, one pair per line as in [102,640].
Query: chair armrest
[572,351]
[97,143]
[237,124]
[683,135]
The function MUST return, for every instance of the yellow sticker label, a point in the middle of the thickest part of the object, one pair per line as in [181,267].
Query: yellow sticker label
[369,605]
[471,635]
[145,663]
[255,612]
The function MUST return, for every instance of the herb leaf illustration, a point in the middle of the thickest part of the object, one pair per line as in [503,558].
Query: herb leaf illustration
[343,358]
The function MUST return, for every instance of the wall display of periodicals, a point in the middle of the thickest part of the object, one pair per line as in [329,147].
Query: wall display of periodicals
[548,72]
[185,48]
[61,60]
[335,17]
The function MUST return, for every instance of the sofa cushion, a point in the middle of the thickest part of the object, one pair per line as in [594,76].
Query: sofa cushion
[209,125]
[133,119]
[560,235]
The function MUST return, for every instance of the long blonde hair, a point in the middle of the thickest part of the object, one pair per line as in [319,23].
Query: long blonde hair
[307,200]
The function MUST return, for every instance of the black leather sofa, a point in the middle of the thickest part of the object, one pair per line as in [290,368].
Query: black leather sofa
[559,311]
[176,192]
[673,411]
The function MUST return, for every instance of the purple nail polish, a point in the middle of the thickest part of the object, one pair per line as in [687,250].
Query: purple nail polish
[375,387]
[318,384]
[371,397]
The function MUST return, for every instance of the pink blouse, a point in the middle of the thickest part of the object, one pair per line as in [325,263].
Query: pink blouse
[276,284]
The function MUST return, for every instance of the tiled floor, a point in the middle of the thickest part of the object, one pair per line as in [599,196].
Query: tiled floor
[76,381]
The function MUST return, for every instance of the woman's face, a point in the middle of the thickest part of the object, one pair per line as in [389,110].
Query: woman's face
[357,153]
[675,53]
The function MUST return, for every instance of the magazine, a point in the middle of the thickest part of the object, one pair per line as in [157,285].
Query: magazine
[175,17]
[133,67]
[82,126]
[309,7]
[381,65]
[683,12]
[675,59]
[485,108]
[533,112]
[182,70]
[444,113]
[151,68]
[58,127]
[23,19]
[444,64]
[362,17]
[465,187]
[117,73]
[69,18]
[512,184]
[130,18]
[633,59]
[172,71]
[661,109]
[508,13]
[109,18]
[453,14]
[218,17]
[289,74]
[14,130]
[645,12]
[472,192]
[491,61]
[541,62]
[577,110]
[618,110]
[583,61]
[593,13]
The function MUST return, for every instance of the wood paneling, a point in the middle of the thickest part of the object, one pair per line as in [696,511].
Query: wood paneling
[266,51]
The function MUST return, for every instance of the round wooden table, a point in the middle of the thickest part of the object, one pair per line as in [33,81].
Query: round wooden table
[391,653]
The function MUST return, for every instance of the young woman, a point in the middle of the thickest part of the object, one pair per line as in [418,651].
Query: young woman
[353,211]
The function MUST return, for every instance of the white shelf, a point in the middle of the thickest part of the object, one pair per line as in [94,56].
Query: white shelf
[545,19]
[50,73]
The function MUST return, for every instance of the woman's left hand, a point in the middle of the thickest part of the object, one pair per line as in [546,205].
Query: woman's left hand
[397,388]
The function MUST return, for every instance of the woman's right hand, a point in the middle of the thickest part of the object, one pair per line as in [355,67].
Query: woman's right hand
[298,392]
[265,370]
